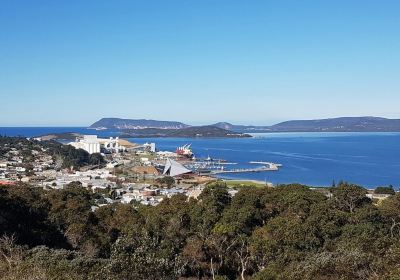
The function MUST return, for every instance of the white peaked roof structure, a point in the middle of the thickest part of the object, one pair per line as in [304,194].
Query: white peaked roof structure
[173,168]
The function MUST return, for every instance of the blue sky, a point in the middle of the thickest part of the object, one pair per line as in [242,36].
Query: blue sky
[70,62]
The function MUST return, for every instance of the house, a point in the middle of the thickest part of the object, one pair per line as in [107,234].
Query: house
[20,169]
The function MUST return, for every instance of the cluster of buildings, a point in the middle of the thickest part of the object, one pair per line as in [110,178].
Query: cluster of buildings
[14,165]
[132,173]
[150,195]
[92,144]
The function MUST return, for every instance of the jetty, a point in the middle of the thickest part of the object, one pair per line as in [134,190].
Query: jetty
[266,163]
[268,166]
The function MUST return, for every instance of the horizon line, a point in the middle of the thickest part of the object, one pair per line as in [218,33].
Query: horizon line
[212,123]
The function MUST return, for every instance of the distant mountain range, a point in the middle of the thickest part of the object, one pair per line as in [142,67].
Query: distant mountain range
[344,124]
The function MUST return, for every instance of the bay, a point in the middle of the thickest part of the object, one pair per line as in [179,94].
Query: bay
[317,159]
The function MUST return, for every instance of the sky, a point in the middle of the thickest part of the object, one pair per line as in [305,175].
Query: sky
[70,62]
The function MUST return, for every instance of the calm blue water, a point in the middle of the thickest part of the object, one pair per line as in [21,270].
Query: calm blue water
[368,159]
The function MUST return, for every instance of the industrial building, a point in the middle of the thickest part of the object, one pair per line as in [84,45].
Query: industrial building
[92,144]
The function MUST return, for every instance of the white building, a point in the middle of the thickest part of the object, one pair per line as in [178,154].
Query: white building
[89,143]
[92,144]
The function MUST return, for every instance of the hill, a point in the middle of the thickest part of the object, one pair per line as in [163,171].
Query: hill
[242,128]
[344,124]
[206,131]
[116,123]
[194,131]
[350,124]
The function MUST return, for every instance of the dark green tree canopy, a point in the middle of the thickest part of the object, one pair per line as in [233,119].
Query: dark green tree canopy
[385,190]
[287,232]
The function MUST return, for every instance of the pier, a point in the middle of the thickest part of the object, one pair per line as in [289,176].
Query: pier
[268,166]
[266,163]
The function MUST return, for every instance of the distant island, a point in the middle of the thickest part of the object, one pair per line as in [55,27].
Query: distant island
[187,132]
[146,128]
[116,123]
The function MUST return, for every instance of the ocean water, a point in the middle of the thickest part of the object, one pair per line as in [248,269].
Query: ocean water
[317,159]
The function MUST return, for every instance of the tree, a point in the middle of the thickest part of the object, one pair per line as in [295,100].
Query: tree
[140,258]
[24,215]
[243,253]
[167,181]
[70,209]
[112,222]
[96,159]
[390,209]
[295,199]
[209,208]
[348,197]
[385,190]
[247,210]
[287,232]
[9,251]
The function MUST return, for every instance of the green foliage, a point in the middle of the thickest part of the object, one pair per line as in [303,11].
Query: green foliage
[96,159]
[25,215]
[166,181]
[247,210]
[385,190]
[390,211]
[288,232]
[70,211]
[140,258]
[207,212]
[348,197]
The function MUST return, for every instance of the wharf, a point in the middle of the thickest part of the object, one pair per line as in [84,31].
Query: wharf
[246,170]
[269,166]
[266,163]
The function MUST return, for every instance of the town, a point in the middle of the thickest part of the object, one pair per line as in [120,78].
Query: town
[118,170]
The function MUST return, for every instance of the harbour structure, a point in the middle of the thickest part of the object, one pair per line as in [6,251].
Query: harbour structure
[268,166]
[219,169]
[271,164]
[219,166]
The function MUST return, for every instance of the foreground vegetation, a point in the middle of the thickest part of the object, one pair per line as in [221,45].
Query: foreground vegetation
[287,232]
[244,183]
